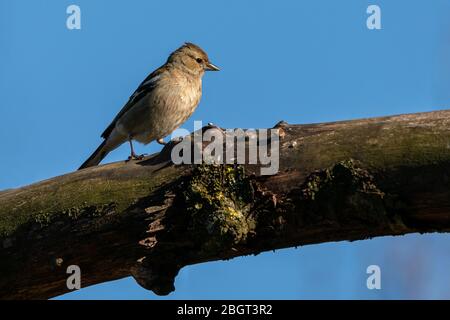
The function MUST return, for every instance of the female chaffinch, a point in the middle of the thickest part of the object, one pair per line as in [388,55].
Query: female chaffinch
[162,102]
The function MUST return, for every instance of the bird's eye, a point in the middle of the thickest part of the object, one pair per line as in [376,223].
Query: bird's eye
[199,60]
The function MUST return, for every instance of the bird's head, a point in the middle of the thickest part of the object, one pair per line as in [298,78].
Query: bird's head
[192,59]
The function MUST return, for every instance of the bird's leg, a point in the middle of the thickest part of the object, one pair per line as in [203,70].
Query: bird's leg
[134,156]
[161,141]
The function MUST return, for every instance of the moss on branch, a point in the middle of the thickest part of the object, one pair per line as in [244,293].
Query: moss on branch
[218,200]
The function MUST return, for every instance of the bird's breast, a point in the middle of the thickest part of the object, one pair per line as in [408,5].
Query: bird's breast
[168,107]
[178,98]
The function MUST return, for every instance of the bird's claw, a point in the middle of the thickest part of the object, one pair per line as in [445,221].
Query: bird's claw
[136,157]
[177,139]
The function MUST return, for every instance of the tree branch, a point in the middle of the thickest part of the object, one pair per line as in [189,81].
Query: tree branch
[337,181]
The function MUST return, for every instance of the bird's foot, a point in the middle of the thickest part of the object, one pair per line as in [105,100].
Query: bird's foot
[177,139]
[136,157]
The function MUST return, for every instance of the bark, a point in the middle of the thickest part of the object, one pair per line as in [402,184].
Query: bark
[337,181]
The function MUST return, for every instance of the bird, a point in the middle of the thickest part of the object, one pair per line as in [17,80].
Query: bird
[161,103]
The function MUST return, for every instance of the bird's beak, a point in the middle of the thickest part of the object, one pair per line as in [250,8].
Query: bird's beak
[211,67]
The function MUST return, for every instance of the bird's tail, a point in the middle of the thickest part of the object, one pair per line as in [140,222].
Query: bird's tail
[96,157]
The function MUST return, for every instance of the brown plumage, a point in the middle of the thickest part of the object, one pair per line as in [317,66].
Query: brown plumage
[163,101]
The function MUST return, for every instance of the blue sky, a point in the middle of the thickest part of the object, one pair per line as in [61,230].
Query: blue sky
[300,61]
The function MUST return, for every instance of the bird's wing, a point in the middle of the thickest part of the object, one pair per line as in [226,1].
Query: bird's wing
[145,87]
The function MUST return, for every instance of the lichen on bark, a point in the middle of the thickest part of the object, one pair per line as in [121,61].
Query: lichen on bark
[218,200]
[211,209]
[344,192]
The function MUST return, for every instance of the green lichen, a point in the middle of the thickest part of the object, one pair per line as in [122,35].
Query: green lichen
[69,198]
[347,174]
[45,218]
[218,201]
[344,192]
